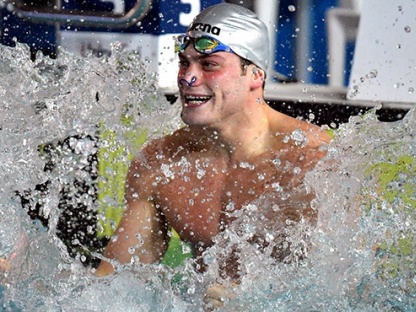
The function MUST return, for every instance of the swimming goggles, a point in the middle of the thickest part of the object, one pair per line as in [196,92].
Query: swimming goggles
[204,45]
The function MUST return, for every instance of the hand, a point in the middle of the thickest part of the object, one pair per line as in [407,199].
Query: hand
[17,250]
[4,265]
[217,294]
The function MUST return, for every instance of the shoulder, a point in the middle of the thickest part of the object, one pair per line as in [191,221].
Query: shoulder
[166,149]
[301,142]
[159,157]
[146,166]
[316,135]
[297,129]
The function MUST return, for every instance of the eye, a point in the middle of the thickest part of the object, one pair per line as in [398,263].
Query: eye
[209,65]
[183,64]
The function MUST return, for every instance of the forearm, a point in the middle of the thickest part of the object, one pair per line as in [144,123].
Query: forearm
[136,238]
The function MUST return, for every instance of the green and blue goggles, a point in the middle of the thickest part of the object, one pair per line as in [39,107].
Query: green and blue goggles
[204,44]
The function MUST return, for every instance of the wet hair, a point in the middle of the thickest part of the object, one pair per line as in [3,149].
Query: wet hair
[245,64]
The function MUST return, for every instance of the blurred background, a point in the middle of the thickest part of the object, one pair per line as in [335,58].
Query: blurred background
[313,43]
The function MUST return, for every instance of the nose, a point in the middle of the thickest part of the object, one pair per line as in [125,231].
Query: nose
[189,83]
[187,77]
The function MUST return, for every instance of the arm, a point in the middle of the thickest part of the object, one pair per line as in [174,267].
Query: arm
[142,231]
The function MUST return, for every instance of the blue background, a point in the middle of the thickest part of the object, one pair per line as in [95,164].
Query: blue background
[163,17]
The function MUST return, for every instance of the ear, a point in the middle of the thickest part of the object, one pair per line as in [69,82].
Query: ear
[257,78]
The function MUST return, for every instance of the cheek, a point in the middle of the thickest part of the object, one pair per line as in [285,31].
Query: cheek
[212,77]
[221,81]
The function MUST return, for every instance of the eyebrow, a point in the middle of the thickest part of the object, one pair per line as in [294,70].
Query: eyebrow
[200,56]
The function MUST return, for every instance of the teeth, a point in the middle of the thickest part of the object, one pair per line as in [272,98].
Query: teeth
[197,99]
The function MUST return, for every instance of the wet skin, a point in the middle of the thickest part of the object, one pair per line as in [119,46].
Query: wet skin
[196,186]
[234,149]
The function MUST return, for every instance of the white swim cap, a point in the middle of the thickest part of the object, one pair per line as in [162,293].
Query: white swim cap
[237,27]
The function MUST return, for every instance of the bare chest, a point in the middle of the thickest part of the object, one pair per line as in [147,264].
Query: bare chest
[197,197]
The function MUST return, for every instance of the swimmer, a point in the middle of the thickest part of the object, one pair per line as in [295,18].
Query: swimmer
[233,147]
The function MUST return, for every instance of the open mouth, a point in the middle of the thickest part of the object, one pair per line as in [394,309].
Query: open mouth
[195,100]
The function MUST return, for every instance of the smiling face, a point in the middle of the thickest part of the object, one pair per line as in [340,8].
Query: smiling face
[212,87]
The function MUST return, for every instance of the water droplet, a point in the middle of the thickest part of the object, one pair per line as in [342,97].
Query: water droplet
[230,206]
[407,29]
[131,250]
[411,90]
[309,69]
[298,135]
[372,74]
[291,8]
[275,207]
[246,165]
[185,248]
[277,161]
[277,187]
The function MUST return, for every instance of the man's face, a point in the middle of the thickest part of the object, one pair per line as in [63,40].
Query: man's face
[212,86]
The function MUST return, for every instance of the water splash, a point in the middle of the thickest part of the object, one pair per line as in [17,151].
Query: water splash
[359,257]
[362,251]
[44,103]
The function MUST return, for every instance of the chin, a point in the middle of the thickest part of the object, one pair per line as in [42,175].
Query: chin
[194,122]
[193,119]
